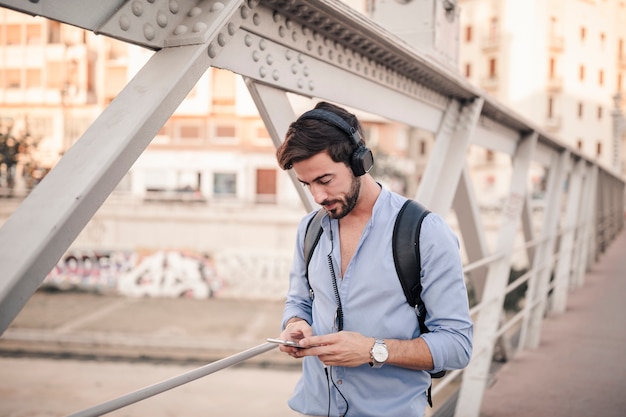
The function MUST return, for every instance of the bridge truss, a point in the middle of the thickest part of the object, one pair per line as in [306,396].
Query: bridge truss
[324,50]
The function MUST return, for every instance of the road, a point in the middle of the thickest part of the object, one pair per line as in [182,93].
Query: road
[44,387]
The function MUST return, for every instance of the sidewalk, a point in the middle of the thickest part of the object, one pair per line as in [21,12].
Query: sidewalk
[579,369]
[159,329]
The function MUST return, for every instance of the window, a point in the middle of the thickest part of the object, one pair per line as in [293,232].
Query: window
[493,28]
[55,76]
[262,136]
[13,79]
[224,184]
[550,107]
[33,78]
[266,185]
[599,112]
[224,133]
[468,34]
[54,32]
[189,131]
[423,147]
[13,34]
[580,110]
[224,87]
[468,70]
[599,149]
[581,73]
[601,77]
[583,33]
[552,67]
[33,34]
[492,68]
[489,155]
[579,144]
[619,82]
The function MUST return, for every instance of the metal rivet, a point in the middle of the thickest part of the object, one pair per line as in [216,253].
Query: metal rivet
[148,31]
[275,75]
[174,6]
[247,40]
[212,50]
[124,23]
[137,8]
[195,11]
[199,27]
[180,29]
[262,72]
[161,19]
[216,7]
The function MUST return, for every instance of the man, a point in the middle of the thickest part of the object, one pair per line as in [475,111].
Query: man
[360,339]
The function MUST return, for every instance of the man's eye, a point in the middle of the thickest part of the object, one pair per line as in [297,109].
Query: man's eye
[325,182]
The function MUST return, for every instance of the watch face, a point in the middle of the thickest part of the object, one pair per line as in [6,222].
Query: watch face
[379,352]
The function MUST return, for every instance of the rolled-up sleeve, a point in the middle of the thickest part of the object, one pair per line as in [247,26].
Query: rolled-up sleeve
[444,294]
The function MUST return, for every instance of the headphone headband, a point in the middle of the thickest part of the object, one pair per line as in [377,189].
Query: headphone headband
[335,120]
[362,159]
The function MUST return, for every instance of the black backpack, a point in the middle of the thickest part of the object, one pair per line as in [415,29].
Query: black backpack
[406,256]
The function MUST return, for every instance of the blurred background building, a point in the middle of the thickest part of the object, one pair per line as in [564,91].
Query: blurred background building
[207,193]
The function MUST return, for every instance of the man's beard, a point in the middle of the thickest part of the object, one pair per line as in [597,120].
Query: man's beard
[347,203]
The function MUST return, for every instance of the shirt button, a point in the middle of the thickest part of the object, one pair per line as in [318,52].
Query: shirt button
[339,382]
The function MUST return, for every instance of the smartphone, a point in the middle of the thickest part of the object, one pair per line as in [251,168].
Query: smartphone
[284,342]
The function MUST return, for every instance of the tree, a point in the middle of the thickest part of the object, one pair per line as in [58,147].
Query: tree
[17,157]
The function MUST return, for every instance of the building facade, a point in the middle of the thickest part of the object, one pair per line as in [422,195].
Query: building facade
[559,63]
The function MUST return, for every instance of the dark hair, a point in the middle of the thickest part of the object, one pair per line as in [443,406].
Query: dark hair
[308,137]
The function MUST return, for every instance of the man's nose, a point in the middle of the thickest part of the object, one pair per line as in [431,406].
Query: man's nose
[318,193]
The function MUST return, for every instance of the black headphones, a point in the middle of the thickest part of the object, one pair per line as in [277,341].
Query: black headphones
[362,159]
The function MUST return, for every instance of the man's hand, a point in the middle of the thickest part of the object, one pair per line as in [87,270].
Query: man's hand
[295,330]
[338,349]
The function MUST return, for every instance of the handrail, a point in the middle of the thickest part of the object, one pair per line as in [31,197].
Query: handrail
[174,382]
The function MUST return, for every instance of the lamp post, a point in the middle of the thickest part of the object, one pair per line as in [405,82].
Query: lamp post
[619,130]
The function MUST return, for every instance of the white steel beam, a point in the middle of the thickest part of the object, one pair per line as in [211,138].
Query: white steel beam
[448,159]
[583,236]
[287,67]
[472,232]
[486,325]
[562,275]
[542,267]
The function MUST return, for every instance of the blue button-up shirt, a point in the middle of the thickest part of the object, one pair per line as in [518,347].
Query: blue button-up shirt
[374,305]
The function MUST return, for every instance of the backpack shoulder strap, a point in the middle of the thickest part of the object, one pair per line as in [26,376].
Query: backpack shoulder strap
[311,237]
[406,255]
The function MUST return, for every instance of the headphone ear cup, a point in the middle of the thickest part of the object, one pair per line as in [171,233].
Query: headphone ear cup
[362,161]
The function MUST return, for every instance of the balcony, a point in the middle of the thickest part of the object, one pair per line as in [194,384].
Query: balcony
[489,83]
[556,43]
[554,84]
[553,123]
[491,43]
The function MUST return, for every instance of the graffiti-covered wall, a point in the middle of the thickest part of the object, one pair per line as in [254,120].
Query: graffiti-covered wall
[173,273]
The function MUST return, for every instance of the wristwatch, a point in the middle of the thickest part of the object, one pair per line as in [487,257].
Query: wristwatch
[378,353]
